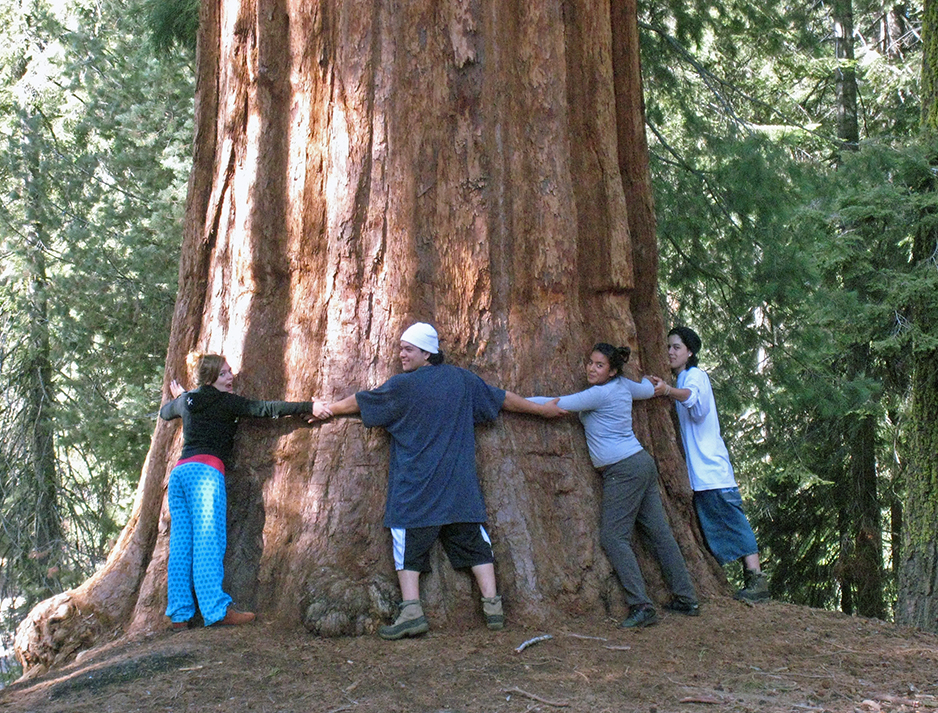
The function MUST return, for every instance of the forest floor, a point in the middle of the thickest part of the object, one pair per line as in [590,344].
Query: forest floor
[734,657]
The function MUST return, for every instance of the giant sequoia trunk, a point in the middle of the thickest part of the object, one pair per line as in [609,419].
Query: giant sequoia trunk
[359,166]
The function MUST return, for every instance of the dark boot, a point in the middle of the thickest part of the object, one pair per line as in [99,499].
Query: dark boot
[639,617]
[756,589]
[688,607]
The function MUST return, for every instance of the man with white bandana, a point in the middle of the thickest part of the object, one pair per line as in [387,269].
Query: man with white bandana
[430,412]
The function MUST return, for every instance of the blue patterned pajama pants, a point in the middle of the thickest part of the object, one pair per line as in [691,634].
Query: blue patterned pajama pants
[197,540]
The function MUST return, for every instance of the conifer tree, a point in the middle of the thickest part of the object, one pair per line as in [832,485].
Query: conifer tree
[93,169]
[918,584]
[776,263]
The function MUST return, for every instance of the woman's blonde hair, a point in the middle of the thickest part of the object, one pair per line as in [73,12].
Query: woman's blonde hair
[204,368]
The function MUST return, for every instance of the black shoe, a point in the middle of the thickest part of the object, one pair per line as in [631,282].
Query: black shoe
[683,606]
[640,617]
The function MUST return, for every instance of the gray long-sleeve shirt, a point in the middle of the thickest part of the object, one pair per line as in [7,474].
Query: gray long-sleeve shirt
[606,413]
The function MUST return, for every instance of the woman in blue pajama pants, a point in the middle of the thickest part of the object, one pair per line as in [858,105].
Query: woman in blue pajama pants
[197,500]
[197,505]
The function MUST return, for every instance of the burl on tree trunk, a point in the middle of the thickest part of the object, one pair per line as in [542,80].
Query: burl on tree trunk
[478,165]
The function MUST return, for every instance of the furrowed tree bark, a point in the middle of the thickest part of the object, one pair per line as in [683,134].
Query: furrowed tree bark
[358,167]
[41,487]
[918,574]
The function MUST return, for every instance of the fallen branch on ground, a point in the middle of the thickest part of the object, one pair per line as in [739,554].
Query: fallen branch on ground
[558,704]
[584,636]
[900,700]
[531,642]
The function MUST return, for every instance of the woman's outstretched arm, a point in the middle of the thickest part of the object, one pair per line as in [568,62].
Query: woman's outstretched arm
[518,404]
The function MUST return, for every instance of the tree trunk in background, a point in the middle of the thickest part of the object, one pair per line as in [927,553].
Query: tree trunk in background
[42,552]
[861,556]
[918,574]
[865,570]
[893,26]
[848,127]
[930,66]
[481,166]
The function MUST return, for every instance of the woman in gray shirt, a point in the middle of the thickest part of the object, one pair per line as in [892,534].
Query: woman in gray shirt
[630,484]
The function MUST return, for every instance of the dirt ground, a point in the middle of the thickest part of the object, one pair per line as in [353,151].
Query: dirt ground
[734,657]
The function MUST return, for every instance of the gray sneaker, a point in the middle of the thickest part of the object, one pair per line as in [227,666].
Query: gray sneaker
[492,610]
[756,589]
[410,622]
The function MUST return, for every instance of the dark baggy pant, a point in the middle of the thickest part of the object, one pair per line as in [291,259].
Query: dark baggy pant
[630,495]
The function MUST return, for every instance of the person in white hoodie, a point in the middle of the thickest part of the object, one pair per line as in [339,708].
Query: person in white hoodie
[717,499]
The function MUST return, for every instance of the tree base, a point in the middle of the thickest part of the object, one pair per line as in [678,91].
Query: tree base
[335,605]
[53,632]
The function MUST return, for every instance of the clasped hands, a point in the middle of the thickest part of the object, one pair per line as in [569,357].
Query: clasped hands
[662,387]
[321,412]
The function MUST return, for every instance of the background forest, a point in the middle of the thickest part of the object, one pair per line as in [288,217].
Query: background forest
[795,192]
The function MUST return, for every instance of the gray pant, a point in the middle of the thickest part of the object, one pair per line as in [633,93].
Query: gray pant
[630,495]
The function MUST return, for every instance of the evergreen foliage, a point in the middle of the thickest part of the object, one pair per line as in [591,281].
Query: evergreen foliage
[173,23]
[93,168]
[798,274]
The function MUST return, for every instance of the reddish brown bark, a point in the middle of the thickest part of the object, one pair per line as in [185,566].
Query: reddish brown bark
[358,167]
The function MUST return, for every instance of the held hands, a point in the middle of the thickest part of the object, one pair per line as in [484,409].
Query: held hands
[662,388]
[321,412]
[552,410]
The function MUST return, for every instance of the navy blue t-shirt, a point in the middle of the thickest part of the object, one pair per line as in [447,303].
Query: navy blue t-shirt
[430,414]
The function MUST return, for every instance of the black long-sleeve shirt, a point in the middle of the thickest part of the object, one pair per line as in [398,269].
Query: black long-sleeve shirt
[210,418]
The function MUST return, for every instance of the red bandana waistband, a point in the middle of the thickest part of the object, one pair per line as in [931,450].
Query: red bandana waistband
[211,461]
